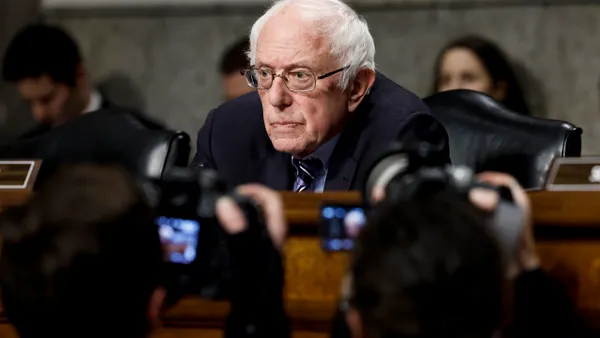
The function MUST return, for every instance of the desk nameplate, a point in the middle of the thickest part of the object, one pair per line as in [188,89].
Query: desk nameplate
[18,174]
[574,174]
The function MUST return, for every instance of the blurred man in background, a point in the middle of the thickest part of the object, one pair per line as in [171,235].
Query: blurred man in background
[233,62]
[48,69]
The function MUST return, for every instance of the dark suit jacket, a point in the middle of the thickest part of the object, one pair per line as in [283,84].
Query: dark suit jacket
[233,139]
[106,107]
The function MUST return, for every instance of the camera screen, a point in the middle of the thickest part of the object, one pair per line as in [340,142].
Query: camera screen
[179,238]
[340,225]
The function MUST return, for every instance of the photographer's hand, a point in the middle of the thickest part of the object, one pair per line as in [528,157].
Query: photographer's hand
[232,218]
[527,257]
[256,296]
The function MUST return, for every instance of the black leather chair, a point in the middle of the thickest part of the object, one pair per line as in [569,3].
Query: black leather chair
[107,139]
[484,135]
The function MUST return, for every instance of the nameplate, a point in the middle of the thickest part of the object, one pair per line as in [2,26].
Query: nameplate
[574,174]
[18,175]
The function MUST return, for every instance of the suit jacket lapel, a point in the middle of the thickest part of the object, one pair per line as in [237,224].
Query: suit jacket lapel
[340,177]
[348,152]
[275,170]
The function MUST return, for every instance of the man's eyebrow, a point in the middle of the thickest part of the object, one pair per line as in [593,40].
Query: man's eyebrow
[294,65]
[298,65]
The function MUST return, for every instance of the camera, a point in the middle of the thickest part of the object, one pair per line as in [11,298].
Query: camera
[411,172]
[194,244]
[340,225]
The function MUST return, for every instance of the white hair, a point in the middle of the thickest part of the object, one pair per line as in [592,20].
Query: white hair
[350,41]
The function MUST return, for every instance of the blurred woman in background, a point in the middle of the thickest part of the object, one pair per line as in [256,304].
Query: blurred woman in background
[475,63]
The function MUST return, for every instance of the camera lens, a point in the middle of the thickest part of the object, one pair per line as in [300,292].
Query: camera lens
[384,171]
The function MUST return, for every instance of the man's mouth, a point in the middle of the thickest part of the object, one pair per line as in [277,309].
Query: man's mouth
[285,124]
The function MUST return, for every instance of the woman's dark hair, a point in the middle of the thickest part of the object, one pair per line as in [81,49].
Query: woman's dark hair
[497,65]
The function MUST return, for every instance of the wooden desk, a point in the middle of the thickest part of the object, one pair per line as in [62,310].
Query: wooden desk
[567,230]
[567,227]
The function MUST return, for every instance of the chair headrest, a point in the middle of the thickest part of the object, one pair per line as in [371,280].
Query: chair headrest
[104,138]
[485,135]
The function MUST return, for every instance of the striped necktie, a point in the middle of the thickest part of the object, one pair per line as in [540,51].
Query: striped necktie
[306,172]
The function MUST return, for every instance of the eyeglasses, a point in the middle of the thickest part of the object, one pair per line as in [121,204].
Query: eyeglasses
[296,80]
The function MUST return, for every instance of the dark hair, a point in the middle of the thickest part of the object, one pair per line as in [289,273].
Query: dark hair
[40,49]
[428,268]
[497,65]
[82,257]
[234,59]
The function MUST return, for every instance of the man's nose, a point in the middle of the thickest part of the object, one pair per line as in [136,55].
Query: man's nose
[279,94]
[39,111]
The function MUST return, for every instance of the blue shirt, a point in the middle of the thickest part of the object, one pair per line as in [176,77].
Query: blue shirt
[323,153]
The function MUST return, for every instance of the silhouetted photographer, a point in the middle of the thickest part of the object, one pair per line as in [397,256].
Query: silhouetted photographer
[84,257]
[228,247]
[448,254]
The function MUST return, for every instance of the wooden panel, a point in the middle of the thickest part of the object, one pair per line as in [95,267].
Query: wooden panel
[576,263]
[7,331]
[187,333]
[550,208]
[10,198]
[202,333]
[566,208]
[312,274]
[194,312]
[302,210]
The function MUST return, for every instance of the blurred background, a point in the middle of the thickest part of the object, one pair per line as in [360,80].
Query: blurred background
[163,56]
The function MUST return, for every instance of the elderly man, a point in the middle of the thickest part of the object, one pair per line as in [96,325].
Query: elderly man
[321,112]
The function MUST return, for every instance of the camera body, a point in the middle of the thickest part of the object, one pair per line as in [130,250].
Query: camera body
[340,225]
[194,244]
[407,173]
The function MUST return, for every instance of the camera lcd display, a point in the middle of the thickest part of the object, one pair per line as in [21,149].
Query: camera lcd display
[179,238]
[340,224]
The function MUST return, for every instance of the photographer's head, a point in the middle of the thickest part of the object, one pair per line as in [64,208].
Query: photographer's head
[426,268]
[82,258]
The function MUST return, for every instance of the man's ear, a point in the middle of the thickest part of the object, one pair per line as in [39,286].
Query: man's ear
[360,87]
[155,303]
[354,323]
[81,75]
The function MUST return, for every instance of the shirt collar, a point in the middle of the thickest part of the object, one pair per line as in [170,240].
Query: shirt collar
[324,152]
[94,104]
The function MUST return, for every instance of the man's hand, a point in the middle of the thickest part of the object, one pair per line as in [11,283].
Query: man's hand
[527,258]
[232,217]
